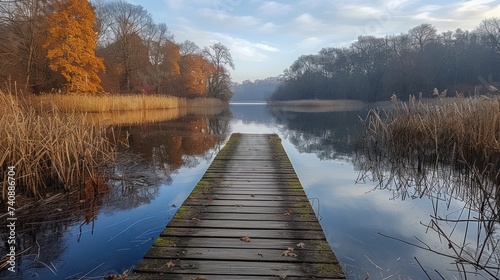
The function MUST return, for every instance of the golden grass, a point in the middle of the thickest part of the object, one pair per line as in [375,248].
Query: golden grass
[466,130]
[110,103]
[49,151]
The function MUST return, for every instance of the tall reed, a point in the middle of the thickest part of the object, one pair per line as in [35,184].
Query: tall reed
[466,130]
[49,150]
[446,151]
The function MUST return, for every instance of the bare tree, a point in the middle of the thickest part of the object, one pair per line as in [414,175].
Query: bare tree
[422,35]
[23,25]
[125,28]
[158,45]
[219,85]
[189,47]
[490,29]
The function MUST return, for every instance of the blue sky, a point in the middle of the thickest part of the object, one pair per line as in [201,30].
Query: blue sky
[266,37]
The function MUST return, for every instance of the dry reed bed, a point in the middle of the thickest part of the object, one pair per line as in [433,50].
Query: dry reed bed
[466,130]
[50,151]
[109,103]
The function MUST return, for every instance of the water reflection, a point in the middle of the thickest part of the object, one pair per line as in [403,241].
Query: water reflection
[152,153]
[329,135]
[91,232]
[465,209]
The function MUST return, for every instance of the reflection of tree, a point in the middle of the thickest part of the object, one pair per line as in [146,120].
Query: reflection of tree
[156,151]
[468,235]
[329,135]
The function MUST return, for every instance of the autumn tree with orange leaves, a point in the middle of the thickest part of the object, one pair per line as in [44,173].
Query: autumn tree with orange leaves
[195,74]
[71,44]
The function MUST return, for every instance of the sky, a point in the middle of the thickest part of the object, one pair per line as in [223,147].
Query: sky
[266,37]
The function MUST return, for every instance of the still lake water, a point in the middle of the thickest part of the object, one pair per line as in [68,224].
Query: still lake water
[165,160]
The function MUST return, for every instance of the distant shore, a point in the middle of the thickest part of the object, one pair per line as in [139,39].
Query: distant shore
[317,105]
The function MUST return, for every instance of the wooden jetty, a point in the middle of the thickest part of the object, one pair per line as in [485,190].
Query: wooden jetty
[247,218]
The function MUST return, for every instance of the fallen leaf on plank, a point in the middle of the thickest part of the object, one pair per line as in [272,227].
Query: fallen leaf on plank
[245,238]
[170,264]
[289,253]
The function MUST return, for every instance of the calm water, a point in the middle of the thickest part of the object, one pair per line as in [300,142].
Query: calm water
[164,161]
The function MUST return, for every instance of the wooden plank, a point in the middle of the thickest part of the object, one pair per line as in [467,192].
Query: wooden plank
[287,216]
[250,210]
[258,268]
[242,254]
[304,234]
[247,218]
[147,276]
[252,197]
[247,203]
[235,224]
[256,243]
[254,191]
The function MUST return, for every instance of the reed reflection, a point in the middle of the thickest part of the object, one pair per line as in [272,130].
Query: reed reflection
[463,190]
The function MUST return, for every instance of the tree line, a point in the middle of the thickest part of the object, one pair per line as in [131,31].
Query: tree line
[258,90]
[111,46]
[418,61]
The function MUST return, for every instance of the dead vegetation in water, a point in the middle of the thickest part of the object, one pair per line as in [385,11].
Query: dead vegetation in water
[464,131]
[50,151]
[446,152]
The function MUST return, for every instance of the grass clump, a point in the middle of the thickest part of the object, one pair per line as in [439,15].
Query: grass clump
[50,151]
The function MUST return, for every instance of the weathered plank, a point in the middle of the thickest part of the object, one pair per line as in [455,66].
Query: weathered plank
[219,242]
[240,254]
[147,276]
[287,216]
[247,218]
[252,197]
[245,203]
[255,224]
[257,268]
[303,234]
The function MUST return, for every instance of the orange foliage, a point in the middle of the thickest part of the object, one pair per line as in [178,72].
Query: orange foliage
[200,140]
[71,44]
[195,72]
[172,59]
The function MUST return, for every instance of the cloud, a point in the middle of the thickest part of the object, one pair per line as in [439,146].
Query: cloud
[359,11]
[175,4]
[269,27]
[242,49]
[307,23]
[472,6]
[266,47]
[221,17]
[309,43]
[271,8]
